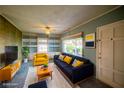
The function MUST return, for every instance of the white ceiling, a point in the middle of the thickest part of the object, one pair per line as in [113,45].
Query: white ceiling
[61,18]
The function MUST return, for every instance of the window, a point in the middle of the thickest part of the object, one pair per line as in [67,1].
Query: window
[73,46]
[42,45]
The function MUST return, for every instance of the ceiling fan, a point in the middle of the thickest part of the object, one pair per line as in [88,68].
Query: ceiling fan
[47,28]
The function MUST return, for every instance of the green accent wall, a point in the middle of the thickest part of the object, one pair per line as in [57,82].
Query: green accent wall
[9,36]
[91,26]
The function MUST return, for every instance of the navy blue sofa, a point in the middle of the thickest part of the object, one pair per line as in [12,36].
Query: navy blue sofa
[75,74]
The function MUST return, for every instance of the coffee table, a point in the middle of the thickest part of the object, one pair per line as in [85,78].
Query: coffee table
[44,73]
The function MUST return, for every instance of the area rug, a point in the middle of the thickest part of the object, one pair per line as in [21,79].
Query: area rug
[58,81]
[19,79]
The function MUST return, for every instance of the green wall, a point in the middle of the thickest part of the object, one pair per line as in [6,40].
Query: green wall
[9,36]
[90,27]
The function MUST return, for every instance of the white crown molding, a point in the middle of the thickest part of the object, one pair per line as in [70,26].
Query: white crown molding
[11,22]
[83,23]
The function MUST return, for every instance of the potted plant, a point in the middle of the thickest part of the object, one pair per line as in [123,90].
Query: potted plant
[26,52]
[45,65]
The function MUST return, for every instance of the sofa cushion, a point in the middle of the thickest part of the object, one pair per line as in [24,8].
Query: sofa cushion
[77,63]
[67,59]
[67,69]
[61,63]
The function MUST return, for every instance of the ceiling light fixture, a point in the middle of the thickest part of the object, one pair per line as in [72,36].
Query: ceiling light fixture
[48,32]
[48,29]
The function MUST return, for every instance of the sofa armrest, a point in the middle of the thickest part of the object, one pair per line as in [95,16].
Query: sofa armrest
[82,71]
[6,73]
[56,56]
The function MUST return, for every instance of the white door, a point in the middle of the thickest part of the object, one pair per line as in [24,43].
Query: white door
[110,54]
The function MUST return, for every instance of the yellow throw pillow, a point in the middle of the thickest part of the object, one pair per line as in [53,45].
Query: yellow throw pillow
[61,57]
[67,59]
[77,63]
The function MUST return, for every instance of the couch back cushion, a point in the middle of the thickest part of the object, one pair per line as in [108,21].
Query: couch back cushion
[85,60]
[67,59]
[72,56]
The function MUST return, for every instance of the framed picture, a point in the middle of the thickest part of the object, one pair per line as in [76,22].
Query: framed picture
[90,40]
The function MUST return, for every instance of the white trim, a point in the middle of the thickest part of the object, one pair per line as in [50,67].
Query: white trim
[72,36]
[91,19]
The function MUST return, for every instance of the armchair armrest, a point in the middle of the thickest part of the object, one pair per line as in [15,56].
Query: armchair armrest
[34,57]
[47,57]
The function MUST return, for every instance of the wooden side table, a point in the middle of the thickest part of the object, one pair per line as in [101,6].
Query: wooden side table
[43,73]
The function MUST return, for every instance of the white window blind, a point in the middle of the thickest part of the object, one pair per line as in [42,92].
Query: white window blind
[42,45]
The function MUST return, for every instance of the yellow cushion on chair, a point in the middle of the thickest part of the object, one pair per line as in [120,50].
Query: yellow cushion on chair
[77,63]
[67,59]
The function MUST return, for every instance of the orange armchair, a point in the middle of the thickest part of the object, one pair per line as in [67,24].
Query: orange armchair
[40,59]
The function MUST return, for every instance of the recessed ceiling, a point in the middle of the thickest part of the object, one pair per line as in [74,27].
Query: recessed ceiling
[60,18]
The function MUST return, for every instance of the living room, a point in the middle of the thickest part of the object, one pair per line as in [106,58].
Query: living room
[61,48]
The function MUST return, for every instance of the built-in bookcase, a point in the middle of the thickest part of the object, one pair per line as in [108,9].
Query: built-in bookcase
[31,41]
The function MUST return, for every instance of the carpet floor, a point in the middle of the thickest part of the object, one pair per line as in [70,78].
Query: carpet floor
[19,79]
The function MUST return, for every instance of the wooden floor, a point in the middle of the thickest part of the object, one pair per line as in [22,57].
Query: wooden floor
[58,81]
